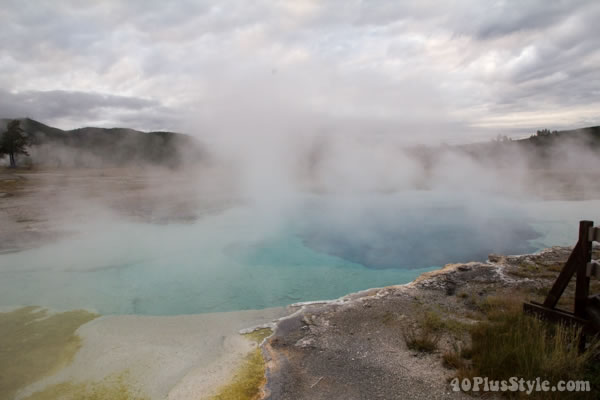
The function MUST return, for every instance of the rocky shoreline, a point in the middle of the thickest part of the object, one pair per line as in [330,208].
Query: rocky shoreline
[353,347]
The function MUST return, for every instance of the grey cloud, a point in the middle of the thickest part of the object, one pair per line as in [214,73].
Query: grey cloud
[58,104]
[386,63]
[559,67]
[499,18]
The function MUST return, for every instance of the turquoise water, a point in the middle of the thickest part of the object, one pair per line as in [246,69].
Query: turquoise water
[184,276]
[240,259]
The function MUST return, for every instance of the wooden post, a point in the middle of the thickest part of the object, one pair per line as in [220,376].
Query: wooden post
[582,285]
[564,277]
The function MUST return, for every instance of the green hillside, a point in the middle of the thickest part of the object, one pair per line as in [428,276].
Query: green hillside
[109,147]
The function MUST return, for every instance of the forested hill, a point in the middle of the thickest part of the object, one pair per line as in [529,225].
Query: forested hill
[108,147]
[543,149]
[557,150]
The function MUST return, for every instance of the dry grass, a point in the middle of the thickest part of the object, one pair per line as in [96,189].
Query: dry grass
[425,334]
[510,343]
[454,359]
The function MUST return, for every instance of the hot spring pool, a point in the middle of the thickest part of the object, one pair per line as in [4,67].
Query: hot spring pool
[254,257]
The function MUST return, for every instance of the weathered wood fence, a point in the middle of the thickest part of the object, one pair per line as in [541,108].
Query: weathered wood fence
[587,307]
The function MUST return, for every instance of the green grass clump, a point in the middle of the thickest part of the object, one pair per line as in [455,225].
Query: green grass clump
[34,343]
[457,328]
[425,335]
[512,344]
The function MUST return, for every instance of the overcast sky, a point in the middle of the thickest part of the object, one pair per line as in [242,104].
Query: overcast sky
[455,70]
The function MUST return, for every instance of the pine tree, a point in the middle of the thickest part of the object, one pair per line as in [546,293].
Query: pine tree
[13,141]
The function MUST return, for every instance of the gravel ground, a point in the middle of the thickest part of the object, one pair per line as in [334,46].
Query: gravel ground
[353,348]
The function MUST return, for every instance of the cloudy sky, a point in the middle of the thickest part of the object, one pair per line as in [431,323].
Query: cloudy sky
[455,70]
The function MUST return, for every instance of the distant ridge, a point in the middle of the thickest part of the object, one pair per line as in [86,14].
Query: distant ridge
[544,147]
[558,150]
[92,146]
[96,147]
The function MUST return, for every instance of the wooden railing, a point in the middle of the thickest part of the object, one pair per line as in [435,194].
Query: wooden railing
[586,308]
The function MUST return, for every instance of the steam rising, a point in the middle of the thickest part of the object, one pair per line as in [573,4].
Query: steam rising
[268,219]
